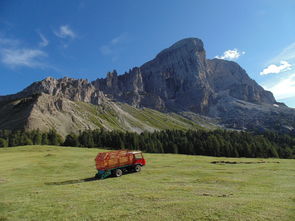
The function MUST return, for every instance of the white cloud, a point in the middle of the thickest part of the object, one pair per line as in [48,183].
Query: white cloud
[288,53]
[13,54]
[276,69]
[231,54]
[22,57]
[118,39]
[285,88]
[44,42]
[111,48]
[8,42]
[65,32]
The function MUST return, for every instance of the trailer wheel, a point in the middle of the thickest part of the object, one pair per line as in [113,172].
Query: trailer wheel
[118,173]
[137,168]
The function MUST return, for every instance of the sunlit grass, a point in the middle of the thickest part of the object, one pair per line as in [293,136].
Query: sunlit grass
[51,183]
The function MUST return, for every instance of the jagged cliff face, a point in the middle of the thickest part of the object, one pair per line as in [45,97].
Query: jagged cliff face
[177,75]
[179,79]
[173,81]
[229,76]
[69,88]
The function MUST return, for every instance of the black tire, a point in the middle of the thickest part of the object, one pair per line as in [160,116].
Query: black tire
[118,173]
[137,168]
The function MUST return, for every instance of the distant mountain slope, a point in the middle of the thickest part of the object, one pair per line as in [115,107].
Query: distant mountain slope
[179,84]
[46,112]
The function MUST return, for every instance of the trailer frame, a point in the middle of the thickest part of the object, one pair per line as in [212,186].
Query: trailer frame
[102,174]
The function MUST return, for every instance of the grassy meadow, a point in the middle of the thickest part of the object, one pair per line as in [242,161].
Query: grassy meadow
[55,183]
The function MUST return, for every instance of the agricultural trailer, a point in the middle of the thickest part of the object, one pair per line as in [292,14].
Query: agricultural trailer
[118,162]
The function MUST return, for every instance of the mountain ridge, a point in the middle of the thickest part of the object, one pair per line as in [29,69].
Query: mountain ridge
[179,79]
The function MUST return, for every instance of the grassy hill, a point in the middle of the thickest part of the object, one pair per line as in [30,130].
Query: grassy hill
[55,183]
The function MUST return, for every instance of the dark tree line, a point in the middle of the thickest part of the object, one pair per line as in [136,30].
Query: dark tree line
[286,142]
[36,137]
[211,143]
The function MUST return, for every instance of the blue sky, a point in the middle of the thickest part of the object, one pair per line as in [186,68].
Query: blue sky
[86,39]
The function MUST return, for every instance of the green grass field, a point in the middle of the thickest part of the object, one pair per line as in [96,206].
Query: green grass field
[50,183]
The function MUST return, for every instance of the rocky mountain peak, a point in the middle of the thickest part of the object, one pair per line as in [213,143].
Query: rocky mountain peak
[188,49]
[179,79]
[188,43]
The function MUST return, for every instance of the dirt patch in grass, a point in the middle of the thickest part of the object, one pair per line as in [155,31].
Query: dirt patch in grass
[242,162]
[216,195]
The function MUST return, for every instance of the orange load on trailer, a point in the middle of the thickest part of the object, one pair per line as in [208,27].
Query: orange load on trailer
[117,162]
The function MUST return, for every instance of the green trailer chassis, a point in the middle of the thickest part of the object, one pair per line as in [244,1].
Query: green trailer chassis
[102,174]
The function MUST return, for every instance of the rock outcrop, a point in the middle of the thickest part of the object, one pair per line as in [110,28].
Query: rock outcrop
[72,89]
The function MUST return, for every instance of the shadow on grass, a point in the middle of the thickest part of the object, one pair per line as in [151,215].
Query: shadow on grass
[73,181]
[83,180]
